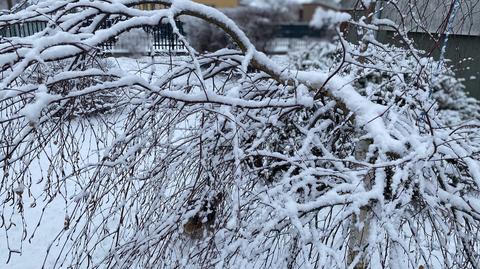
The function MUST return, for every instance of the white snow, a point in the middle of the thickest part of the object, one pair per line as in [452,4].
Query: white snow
[33,110]
[330,18]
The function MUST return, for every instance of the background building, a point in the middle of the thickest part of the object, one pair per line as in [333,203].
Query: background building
[5,4]
[212,3]
[220,3]
[428,26]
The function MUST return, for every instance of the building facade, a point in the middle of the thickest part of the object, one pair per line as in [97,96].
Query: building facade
[212,3]
[220,3]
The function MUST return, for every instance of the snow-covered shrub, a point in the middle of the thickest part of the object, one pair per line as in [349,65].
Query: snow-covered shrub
[213,164]
[257,23]
[205,37]
[389,77]
[317,56]
[84,105]
[135,42]
[450,94]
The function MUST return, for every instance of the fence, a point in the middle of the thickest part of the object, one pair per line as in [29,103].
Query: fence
[162,38]
[165,39]
[22,29]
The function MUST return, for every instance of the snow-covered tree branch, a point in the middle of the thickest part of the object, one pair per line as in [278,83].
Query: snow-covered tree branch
[228,159]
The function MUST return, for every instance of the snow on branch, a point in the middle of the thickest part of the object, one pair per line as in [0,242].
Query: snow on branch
[357,157]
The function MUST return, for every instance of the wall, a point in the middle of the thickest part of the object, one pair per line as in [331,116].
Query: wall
[220,3]
[463,46]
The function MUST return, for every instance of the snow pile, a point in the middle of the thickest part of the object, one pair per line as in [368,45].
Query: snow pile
[328,18]
[135,42]
[33,110]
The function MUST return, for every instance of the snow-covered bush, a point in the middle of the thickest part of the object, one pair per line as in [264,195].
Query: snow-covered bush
[391,76]
[135,42]
[84,105]
[317,56]
[258,23]
[212,164]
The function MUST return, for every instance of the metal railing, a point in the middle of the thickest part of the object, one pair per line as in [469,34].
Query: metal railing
[162,36]
[22,29]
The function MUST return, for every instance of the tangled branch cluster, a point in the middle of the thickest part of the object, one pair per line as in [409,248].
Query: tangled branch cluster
[212,164]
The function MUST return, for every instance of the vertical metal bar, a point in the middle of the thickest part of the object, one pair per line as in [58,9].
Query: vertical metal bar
[157,36]
[162,34]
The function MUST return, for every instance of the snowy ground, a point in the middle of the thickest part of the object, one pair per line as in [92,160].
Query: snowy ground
[31,253]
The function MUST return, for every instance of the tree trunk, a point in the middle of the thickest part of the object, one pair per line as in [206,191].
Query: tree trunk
[358,236]
[371,11]
[9,4]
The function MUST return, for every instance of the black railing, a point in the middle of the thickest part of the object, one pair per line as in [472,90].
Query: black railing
[162,36]
[22,29]
[109,44]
